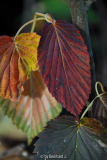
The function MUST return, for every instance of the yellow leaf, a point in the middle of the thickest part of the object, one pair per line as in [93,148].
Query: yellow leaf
[17,59]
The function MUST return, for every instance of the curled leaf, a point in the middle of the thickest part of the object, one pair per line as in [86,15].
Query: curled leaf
[17,58]
[35,107]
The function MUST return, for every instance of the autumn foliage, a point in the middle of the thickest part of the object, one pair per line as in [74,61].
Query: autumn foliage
[38,74]
[18,56]
[64,64]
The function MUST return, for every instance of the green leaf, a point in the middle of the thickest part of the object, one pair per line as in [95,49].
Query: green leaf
[66,137]
[35,107]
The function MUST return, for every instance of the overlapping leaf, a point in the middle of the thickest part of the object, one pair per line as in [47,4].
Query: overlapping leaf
[64,65]
[17,58]
[99,108]
[68,139]
[35,107]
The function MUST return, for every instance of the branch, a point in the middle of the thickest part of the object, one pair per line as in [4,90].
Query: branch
[79,13]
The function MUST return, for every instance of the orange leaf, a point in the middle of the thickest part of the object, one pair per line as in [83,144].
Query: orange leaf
[17,58]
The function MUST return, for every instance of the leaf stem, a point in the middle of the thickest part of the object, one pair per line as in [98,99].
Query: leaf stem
[40,14]
[89,106]
[37,19]
[34,24]
[45,17]
[98,95]
[35,16]
[102,89]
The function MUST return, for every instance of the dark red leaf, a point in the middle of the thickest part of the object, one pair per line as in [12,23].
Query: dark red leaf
[64,65]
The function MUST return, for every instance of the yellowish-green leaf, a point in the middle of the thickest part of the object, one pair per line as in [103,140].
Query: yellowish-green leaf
[35,107]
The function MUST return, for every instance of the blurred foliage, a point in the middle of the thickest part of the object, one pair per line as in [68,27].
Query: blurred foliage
[8,129]
[61,11]
[58,8]
[93,16]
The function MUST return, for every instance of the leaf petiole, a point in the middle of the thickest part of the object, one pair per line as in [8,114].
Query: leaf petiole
[89,106]
[46,17]
[98,95]
[34,24]
[40,14]
[37,19]
[35,16]
[102,89]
